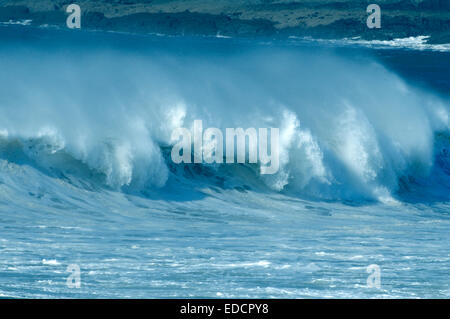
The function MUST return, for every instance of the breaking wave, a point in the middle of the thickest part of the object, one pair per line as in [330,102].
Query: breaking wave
[349,129]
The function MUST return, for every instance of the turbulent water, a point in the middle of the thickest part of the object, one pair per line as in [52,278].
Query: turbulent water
[86,176]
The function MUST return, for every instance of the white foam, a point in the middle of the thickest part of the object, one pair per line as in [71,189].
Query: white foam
[51,262]
[17,22]
[412,43]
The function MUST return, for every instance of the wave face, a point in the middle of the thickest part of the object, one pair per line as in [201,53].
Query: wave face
[349,127]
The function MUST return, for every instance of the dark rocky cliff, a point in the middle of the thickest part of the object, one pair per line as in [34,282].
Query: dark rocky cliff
[317,18]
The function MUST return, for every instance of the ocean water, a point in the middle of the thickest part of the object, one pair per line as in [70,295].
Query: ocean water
[86,177]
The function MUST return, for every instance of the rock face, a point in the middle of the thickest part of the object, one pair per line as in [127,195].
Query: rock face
[265,18]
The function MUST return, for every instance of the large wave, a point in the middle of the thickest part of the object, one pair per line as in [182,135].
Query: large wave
[349,128]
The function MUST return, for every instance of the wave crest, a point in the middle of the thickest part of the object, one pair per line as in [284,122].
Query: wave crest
[347,129]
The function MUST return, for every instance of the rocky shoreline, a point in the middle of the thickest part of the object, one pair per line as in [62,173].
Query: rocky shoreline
[245,18]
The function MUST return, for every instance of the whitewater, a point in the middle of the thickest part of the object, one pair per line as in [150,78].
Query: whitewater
[86,177]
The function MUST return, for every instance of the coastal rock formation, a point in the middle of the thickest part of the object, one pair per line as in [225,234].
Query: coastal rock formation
[265,18]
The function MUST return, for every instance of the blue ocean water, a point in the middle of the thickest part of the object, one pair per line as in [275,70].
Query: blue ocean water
[86,178]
